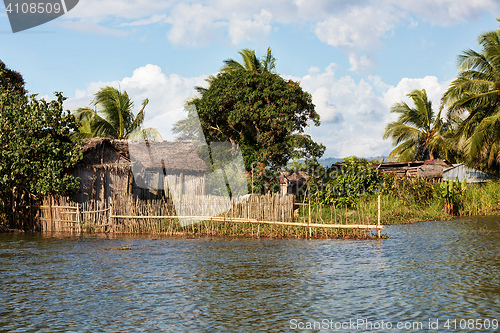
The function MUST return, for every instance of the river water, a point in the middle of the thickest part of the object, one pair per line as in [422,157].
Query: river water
[431,276]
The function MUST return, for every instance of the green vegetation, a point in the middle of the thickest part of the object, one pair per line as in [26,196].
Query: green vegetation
[473,101]
[114,119]
[418,134]
[263,113]
[251,63]
[349,192]
[343,186]
[418,200]
[36,150]
[469,132]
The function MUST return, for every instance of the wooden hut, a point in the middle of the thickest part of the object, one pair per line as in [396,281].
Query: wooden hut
[145,169]
[430,169]
[293,182]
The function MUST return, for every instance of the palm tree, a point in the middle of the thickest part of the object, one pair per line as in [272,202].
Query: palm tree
[475,96]
[115,118]
[418,133]
[251,63]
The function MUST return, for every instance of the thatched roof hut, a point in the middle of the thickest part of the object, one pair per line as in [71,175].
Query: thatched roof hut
[113,166]
[111,153]
[293,182]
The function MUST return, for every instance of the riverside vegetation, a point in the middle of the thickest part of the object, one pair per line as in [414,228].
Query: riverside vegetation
[354,189]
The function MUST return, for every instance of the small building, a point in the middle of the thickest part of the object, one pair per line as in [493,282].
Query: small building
[471,175]
[430,169]
[293,182]
[144,169]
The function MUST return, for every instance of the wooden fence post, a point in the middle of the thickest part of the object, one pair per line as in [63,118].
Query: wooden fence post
[309,221]
[78,217]
[51,221]
[378,218]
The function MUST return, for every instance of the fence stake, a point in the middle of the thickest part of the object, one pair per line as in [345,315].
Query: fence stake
[378,218]
[50,214]
[309,222]
[78,217]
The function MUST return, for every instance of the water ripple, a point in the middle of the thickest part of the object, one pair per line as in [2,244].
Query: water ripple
[84,284]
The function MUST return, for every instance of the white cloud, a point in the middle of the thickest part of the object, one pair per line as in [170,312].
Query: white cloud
[431,84]
[257,28]
[447,12]
[361,63]
[353,113]
[358,27]
[167,95]
[194,24]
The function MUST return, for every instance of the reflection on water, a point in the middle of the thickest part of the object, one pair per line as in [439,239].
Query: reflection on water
[432,270]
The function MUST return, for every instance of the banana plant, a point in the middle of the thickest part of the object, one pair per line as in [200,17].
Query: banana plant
[449,190]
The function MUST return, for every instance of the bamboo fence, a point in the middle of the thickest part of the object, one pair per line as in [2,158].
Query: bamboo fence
[270,215]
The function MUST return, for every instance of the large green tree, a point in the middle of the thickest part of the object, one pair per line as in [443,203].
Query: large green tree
[474,97]
[263,113]
[418,134]
[10,80]
[113,117]
[35,150]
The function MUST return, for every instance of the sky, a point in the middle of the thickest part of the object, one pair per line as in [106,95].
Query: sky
[356,58]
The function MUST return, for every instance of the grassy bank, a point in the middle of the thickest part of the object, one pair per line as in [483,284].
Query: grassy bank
[424,203]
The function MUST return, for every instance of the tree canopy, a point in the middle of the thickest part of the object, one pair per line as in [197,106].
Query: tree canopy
[11,81]
[35,149]
[473,99]
[418,132]
[251,62]
[114,118]
[263,113]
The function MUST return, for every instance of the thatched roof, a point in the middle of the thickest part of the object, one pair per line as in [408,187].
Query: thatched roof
[175,155]
[293,176]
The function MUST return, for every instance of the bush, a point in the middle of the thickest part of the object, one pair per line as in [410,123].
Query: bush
[412,191]
[344,185]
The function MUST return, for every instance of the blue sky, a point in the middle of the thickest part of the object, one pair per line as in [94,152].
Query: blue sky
[356,58]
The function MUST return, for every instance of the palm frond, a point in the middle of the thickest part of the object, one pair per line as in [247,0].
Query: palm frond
[146,134]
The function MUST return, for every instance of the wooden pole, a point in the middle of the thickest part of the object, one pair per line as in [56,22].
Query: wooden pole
[378,218]
[309,221]
[50,214]
[78,217]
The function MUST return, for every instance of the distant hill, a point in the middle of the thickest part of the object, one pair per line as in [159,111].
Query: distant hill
[327,161]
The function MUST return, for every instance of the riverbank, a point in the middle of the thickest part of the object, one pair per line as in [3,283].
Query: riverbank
[401,203]
[423,203]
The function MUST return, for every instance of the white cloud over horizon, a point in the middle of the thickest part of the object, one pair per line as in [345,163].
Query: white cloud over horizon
[353,113]
[167,95]
[356,27]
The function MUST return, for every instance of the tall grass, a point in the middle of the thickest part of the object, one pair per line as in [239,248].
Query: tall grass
[480,199]
[412,201]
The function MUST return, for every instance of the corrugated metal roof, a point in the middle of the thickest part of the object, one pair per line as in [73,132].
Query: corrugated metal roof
[462,172]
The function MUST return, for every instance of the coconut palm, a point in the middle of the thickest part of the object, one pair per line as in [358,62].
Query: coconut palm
[418,132]
[251,62]
[475,96]
[114,118]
